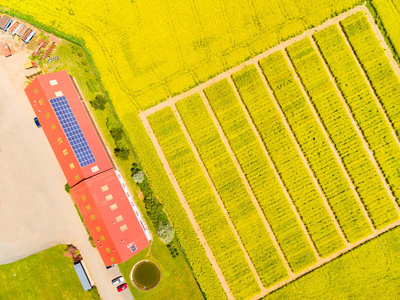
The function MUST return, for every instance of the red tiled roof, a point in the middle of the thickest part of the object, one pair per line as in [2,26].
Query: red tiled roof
[13,26]
[109,217]
[5,50]
[4,21]
[39,92]
[27,32]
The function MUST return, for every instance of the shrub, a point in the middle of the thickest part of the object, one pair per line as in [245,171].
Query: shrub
[165,232]
[67,187]
[92,84]
[173,250]
[122,153]
[99,102]
[117,133]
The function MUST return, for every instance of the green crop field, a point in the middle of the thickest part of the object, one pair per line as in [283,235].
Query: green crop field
[146,52]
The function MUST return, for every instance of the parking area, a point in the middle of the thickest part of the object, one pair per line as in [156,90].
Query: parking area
[35,211]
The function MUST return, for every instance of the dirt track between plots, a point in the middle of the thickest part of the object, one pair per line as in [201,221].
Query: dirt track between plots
[254,61]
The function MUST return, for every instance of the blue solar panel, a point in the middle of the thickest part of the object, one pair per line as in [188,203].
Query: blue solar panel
[72,131]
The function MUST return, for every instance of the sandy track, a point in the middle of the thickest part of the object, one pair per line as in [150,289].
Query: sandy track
[217,196]
[355,125]
[187,208]
[331,145]
[382,111]
[254,61]
[271,163]
[304,160]
[246,183]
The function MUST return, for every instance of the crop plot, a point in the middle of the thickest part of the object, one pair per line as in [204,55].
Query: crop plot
[290,159]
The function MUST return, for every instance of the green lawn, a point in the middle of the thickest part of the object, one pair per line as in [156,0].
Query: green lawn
[370,271]
[176,280]
[45,275]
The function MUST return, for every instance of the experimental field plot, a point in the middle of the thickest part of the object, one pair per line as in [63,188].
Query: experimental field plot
[290,159]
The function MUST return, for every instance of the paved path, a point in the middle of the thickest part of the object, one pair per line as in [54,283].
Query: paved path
[35,211]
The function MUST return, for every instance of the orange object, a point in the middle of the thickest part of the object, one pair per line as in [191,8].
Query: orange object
[5,50]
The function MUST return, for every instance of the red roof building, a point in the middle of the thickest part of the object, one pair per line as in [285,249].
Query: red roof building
[5,50]
[67,126]
[111,219]
[99,191]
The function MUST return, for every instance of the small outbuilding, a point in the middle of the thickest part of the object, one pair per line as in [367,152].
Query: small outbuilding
[5,50]
[5,22]
[13,28]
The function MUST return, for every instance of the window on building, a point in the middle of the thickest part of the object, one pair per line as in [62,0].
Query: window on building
[88,207]
[108,250]
[133,248]
[59,140]
[112,259]
[48,116]
[53,126]
[123,228]
[35,90]
[53,82]
[65,151]
[109,197]
[92,217]
[41,101]
[114,206]
[59,94]
[119,218]
[77,177]
[71,165]
[98,228]
[102,238]
[83,198]
[104,188]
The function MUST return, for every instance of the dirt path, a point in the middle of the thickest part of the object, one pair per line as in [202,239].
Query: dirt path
[303,158]
[383,112]
[188,210]
[331,145]
[219,200]
[355,124]
[254,61]
[246,183]
[271,163]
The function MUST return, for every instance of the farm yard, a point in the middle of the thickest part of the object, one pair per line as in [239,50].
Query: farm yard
[290,159]
[272,169]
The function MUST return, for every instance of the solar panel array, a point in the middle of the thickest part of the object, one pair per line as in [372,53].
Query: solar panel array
[72,131]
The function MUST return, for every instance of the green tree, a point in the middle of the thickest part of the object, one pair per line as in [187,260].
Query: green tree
[99,102]
[165,232]
[122,153]
[116,133]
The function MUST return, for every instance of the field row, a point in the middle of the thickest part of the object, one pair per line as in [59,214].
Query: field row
[310,129]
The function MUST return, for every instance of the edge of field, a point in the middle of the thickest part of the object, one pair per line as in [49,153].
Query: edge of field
[141,146]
